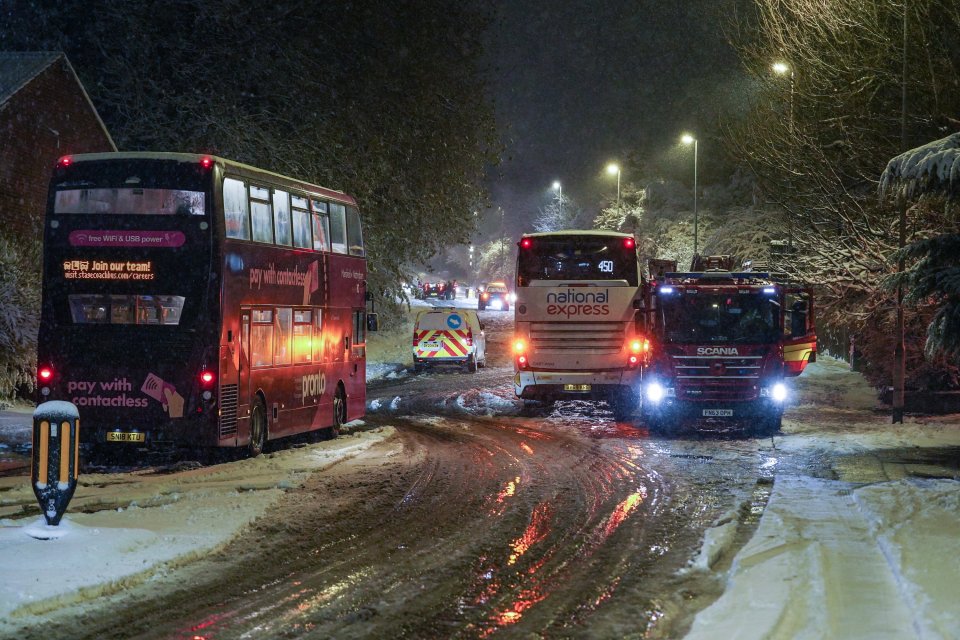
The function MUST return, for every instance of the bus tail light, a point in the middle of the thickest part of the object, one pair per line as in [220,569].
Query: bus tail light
[65,161]
[520,352]
[45,375]
[206,162]
[637,348]
[629,243]
[207,378]
[526,243]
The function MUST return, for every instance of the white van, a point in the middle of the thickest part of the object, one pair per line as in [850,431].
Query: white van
[448,336]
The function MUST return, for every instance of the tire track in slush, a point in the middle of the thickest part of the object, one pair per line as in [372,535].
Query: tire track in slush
[461,527]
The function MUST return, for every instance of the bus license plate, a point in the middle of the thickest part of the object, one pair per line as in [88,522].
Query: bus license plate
[717,413]
[579,388]
[126,436]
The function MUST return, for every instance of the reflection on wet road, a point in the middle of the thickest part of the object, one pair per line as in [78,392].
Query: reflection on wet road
[459,527]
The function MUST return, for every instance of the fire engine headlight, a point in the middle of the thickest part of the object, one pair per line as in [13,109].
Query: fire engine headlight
[777,392]
[655,392]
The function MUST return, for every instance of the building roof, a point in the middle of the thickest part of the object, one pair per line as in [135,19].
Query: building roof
[18,68]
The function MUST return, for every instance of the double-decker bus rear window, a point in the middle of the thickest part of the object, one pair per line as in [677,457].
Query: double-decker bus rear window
[98,308]
[580,258]
[130,201]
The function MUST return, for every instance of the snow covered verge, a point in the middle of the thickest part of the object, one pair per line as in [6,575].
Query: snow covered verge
[833,561]
[835,558]
[125,529]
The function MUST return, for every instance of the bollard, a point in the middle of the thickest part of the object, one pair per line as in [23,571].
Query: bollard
[56,457]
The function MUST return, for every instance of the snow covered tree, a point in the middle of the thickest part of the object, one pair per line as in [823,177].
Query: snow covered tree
[562,213]
[497,259]
[624,215]
[818,136]
[19,316]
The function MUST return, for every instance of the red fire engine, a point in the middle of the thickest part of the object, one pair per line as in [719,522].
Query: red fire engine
[723,343]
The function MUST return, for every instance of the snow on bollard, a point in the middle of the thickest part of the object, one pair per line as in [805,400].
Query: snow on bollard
[56,457]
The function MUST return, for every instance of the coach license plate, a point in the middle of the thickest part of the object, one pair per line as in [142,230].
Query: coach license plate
[579,388]
[126,436]
[717,413]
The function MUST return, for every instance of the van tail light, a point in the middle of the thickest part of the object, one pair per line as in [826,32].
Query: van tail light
[469,339]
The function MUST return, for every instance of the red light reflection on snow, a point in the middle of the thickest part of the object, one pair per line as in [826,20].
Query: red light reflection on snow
[526,448]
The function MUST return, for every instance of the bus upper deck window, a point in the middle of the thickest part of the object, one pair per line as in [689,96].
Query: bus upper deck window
[321,226]
[354,232]
[338,228]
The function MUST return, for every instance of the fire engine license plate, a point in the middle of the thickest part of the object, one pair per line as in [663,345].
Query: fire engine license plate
[126,436]
[717,413]
[580,388]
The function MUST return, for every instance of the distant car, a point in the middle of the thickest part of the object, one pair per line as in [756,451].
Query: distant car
[444,336]
[496,296]
[434,289]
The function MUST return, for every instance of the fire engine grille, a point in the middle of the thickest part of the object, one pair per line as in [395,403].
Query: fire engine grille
[228,410]
[718,378]
[595,338]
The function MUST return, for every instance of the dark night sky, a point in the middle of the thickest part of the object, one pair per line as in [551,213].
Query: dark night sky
[578,84]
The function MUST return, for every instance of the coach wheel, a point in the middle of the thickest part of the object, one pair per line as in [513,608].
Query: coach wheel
[258,428]
[339,409]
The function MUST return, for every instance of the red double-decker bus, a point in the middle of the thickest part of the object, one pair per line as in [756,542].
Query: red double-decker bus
[196,301]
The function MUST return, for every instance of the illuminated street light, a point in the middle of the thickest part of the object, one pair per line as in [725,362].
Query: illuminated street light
[688,139]
[614,168]
[559,189]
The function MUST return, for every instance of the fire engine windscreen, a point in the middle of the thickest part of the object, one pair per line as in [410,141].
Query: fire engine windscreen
[577,258]
[702,317]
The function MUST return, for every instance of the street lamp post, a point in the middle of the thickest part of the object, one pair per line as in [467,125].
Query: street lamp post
[688,139]
[559,189]
[614,168]
[782,69]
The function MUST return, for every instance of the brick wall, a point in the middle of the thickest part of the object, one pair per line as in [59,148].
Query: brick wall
[47,118]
